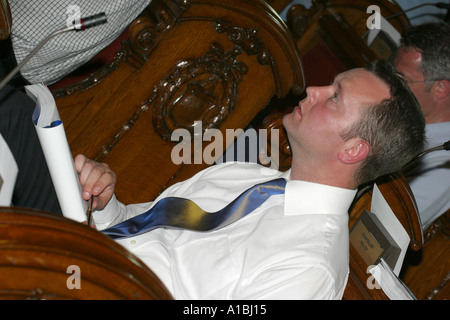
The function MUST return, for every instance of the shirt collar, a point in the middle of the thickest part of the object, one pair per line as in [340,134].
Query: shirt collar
[303,197]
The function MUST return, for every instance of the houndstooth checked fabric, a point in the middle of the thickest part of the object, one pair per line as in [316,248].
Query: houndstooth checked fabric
[33,20]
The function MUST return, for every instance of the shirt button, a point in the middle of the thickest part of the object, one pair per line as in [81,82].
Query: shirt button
[133,242]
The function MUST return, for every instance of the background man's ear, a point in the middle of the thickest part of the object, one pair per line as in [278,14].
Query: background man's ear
[441,89]
[356,150]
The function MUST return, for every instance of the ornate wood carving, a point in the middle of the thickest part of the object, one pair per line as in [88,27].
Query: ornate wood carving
[94,78]
[426,272]
[300,19]
[342,25]
[106,149]
[149,28]
[144,35]
[436,291]
[203,89]
[246,39]
[440,225]
[216,61]
[249,42]
[195,89]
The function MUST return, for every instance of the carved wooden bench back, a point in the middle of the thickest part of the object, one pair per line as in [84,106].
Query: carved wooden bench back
[215,62]
[342,24]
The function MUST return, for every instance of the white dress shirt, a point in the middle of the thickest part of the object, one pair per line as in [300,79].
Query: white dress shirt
[294,246]
[430,178]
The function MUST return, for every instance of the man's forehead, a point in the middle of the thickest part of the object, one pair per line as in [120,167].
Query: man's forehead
[408,62]
[349,73]
[363,83]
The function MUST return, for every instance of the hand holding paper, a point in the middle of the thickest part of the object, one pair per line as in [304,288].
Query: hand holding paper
[97,179]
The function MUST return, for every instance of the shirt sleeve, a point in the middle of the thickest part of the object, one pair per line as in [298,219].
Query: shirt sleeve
[432,191]
[116,212]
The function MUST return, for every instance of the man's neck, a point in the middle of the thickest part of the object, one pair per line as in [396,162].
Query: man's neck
[441,114]
[323,174]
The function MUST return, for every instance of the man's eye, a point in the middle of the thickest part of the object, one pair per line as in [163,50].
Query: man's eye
[335,97]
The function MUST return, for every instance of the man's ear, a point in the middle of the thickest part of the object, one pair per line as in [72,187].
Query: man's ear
[355,150]
[441,89]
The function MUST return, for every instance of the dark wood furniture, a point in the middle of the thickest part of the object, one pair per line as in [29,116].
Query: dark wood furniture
[427,271]
[181,61]
[336,30]
[341,25]
[45,256]
[185,61]
[219,63]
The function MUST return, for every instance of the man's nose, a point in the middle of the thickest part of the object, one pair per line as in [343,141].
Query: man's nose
[312,94]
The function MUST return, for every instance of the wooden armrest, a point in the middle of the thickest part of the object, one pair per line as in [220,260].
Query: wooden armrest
[46,256]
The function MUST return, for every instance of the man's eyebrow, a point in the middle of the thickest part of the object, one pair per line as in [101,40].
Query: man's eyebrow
[339,85]
[334,79]
[340,93]
[339,88]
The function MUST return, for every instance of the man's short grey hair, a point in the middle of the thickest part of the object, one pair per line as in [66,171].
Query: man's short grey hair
[394,128]
[433,41]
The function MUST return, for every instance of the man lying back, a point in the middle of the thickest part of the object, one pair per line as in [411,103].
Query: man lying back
[295,244]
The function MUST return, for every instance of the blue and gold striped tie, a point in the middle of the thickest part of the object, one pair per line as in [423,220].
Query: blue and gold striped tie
[185,214]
